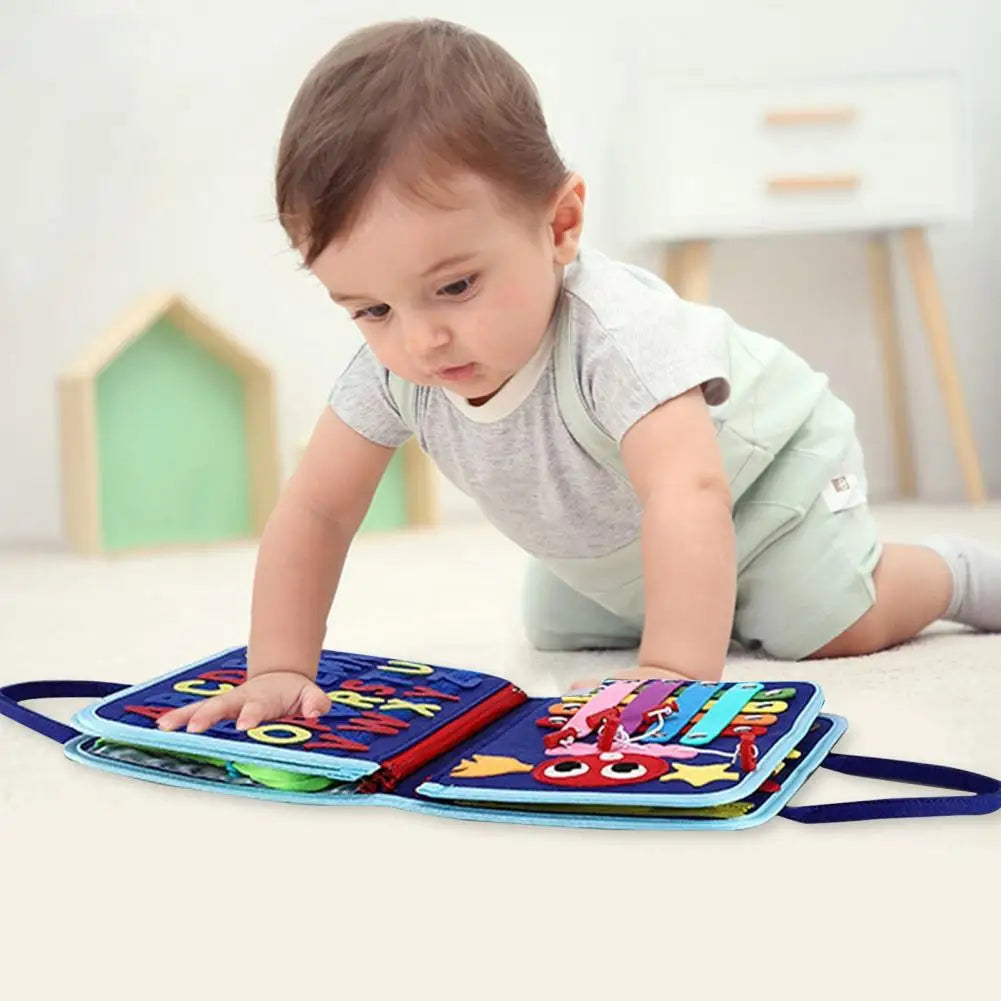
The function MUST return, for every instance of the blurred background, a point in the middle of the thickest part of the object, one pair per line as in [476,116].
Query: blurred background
[139,141]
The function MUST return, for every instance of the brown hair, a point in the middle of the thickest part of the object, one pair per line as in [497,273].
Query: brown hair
[419,98]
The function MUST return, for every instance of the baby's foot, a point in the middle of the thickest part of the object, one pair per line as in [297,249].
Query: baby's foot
[976,580]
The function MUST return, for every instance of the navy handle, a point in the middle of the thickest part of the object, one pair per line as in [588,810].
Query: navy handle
[986,792]
[985,798]
[11,697]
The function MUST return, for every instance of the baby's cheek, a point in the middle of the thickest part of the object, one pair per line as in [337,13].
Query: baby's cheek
[516,326]
[389,356]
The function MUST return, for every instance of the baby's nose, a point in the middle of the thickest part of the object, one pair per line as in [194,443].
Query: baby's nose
[424,338]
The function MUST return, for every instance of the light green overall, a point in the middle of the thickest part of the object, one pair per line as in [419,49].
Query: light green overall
[804,573]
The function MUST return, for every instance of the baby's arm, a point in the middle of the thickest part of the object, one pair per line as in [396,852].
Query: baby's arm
[304,546]
[299,563]
[689,559]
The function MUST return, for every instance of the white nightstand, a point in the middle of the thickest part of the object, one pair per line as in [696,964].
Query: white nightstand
[883,157]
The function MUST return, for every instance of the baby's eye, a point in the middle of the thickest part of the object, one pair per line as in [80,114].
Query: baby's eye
[458,288]
[372,313]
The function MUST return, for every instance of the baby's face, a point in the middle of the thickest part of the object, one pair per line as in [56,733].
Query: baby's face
[457,297]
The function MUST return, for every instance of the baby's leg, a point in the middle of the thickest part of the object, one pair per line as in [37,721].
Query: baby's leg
[558,618]
[913,587]
[947,577]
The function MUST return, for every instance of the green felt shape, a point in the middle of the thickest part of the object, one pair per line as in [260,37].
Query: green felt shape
[279,778]
[172,445]
[273,778]
[388,509]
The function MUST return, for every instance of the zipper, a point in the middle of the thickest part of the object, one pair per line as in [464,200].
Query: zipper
[394,770]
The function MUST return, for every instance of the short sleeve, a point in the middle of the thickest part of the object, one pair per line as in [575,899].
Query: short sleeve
[656,353]
[361,398]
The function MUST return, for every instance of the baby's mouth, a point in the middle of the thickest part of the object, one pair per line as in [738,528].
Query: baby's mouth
[457,373]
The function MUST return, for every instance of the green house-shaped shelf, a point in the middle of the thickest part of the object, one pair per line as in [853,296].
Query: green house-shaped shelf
[167,429]
[406,497]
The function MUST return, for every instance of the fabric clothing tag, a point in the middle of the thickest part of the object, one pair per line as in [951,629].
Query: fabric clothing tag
[844,492]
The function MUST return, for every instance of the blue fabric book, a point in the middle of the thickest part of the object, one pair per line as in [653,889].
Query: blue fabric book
[463,744]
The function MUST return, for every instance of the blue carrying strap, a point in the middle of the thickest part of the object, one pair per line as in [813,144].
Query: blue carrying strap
[11,697]
[986,792]
[985,798]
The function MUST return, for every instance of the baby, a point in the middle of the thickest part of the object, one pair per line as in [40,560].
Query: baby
[678,480]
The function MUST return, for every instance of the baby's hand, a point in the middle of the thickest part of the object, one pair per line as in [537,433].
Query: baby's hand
[630,674]
[264,697]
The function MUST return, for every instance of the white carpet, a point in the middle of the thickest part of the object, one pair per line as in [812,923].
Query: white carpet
[457,894]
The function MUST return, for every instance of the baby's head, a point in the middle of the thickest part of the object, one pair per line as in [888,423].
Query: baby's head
[417,179]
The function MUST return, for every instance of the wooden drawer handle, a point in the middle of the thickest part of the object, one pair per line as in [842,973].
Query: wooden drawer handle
[809,116]
[813,182]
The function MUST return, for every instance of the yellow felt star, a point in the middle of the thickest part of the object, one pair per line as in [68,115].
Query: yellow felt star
[485,765]
[700,775]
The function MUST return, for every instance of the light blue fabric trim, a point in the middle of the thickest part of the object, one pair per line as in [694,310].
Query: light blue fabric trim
[346,797]
[326,798]
[221,747]
[744,787]
[767,811]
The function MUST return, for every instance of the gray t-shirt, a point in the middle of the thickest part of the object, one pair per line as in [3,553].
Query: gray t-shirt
[634,349]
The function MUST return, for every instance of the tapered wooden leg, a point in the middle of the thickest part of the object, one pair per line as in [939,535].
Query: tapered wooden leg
[672,265]
[686,270]
[893,369]
[422,496]
[932,309]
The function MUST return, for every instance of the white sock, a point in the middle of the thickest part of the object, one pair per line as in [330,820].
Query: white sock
[976,581]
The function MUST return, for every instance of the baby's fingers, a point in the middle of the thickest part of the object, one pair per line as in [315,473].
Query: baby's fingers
[253,714]
[211,711]
[177,718]
[315,702]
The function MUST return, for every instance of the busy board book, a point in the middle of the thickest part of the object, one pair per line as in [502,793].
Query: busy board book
[460,743]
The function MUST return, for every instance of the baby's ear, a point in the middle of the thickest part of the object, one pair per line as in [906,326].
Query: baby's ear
[567,219]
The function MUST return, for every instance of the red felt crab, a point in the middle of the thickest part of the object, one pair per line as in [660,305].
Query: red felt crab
[599,771]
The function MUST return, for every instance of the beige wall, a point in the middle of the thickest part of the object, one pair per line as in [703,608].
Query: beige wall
[139,140]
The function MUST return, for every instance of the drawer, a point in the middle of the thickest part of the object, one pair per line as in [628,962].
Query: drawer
[721,161]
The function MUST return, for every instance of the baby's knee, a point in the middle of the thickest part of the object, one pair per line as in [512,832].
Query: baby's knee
[544,635]
[555,617]
[548,640]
